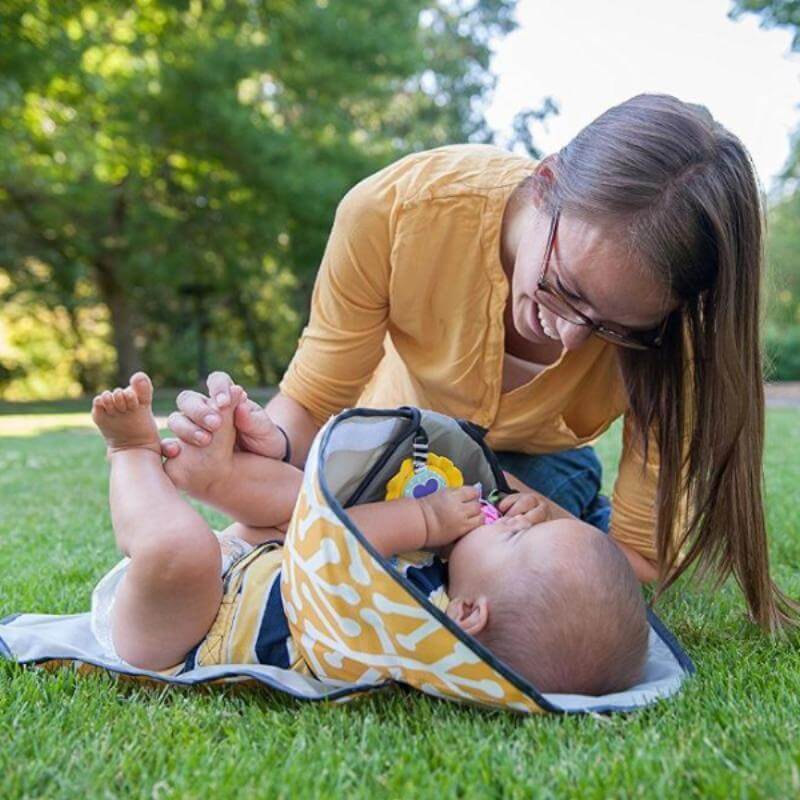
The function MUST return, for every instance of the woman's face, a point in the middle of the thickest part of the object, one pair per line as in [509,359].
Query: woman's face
[592,270]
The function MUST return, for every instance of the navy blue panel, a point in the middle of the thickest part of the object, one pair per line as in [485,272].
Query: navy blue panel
[428,578]
[190,662]
[669,639]
[271,646]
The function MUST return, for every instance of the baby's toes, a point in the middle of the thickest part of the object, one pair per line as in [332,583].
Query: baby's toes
[143,387]
[119,400]
[131,401]
[107,401]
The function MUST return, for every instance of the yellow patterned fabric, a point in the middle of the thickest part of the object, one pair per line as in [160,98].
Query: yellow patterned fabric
[245,614]
[355,621]
[246,617]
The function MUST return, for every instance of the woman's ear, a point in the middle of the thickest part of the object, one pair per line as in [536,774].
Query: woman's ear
[549,166]
[546,171]
[470,615]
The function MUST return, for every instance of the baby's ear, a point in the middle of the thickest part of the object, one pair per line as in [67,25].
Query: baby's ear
[470,615]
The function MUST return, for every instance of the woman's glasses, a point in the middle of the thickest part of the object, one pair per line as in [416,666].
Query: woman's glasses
[553,299]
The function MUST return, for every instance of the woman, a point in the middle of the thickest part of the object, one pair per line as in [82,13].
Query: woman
[542,301]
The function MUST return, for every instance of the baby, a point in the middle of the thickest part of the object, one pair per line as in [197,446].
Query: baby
[555,600]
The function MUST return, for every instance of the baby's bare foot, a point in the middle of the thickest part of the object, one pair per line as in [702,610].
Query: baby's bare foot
[125,416]
[198,470]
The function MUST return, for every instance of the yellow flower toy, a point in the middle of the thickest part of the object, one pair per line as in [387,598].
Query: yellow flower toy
[423,474]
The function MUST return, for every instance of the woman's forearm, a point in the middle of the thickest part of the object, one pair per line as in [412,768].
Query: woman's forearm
[646,571]
[298,423]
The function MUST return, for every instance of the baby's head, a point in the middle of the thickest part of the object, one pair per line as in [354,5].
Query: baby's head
[557,602]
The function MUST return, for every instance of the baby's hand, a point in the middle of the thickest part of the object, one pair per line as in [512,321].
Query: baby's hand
[525,504]
[449,514]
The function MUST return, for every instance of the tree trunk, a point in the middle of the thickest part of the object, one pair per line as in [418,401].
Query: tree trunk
[122,327]
[113,291]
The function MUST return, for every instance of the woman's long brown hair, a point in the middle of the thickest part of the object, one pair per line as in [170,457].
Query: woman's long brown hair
[681,193]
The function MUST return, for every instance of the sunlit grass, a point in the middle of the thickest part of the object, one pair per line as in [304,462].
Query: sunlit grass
[733,732]
[12,425]
[34,424]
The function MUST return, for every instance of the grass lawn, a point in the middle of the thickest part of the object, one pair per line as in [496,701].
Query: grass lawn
[733,732]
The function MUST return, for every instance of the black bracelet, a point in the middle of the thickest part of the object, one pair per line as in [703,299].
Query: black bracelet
[288,457]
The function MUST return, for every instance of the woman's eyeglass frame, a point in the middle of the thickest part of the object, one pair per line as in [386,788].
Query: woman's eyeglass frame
[553,299]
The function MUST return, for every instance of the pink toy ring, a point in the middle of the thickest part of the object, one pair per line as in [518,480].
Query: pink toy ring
[490,513]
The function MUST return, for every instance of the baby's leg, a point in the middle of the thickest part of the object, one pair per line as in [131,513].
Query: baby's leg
[257,491]
[172,589]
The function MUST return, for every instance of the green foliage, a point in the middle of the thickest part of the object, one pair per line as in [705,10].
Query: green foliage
[782,331]
[772,12]
[783,259]
[51,351]
[782,334]
[179,161]
[782,344]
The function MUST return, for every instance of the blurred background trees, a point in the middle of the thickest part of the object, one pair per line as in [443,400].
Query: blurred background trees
[782,330]
[169,169]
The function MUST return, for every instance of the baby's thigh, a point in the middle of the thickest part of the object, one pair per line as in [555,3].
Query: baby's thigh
[166,603]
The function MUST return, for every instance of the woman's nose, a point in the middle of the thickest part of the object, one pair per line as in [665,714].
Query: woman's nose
[572,336]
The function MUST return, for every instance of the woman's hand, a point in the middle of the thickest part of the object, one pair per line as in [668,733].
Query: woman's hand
[198,417]
[449,514]
[526,505]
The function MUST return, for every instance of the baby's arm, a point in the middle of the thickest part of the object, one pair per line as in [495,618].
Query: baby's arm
[406,524]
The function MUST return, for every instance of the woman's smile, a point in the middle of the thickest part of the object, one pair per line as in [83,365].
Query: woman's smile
[548,331]
[539,327]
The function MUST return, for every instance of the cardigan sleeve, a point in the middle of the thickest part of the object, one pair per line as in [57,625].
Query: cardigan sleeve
[342,344]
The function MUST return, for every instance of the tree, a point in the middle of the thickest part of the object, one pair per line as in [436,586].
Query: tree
[783,240]
[172,155]
[778,13]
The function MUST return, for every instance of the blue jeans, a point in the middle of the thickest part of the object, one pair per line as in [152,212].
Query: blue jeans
[571,478]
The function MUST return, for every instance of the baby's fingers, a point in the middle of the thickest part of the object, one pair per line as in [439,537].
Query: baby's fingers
[473,521]
[522,505]
[507,502]
[472,508]
[517,523]
[535,515]
[170,448]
